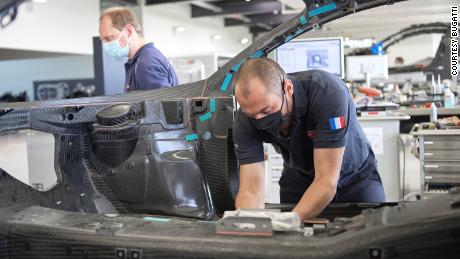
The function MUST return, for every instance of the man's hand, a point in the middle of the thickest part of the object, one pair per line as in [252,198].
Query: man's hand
[328,162]
[251,191]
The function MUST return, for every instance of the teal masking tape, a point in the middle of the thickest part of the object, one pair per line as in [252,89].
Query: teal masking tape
[322,9]
[303,20]
[258,54]
[212,105]
[205,116]
[191,137]
[237,66]
[226,82]
[154,219]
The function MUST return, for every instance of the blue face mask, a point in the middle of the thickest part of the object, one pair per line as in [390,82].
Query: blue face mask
[112,48]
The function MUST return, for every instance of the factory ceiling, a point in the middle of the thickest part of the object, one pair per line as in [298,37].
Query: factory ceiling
[257,15]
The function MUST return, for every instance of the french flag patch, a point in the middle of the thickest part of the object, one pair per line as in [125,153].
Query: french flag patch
[337,123]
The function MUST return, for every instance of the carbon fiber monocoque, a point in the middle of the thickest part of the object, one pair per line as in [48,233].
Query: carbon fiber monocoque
[124,149]
[424,229]
[169,152]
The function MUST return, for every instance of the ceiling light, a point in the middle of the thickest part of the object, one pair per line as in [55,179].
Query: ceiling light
[40,1]
[247,0]
[179,29]
[244,41]
[217,37]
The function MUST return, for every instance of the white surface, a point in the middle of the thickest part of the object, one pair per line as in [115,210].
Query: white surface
[160,22]
[281,221]
[388,161]
[28,156]
[426,111]
[375,137]
[57,26]
[273,170]
[383,118]
[68,26]
[188,70]
[210,61]
[13,156]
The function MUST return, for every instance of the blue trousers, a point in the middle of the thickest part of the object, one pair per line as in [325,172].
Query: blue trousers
[365,186]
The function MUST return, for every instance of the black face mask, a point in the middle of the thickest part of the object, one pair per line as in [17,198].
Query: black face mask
[272,122]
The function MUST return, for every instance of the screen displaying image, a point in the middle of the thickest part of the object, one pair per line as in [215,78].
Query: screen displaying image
[318,58]
[302,55]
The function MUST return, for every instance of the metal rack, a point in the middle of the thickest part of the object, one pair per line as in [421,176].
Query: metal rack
[439,160]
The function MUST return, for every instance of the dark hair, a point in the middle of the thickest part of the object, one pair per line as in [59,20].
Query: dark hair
[399,60]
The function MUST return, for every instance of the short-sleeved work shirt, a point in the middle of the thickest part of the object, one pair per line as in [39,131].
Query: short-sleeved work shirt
[149,69]
[324,116]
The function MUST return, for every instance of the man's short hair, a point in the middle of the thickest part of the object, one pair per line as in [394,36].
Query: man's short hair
[121,17]
[264,69]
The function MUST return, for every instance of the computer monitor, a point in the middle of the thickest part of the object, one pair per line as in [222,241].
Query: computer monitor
[358,68]
[306,54]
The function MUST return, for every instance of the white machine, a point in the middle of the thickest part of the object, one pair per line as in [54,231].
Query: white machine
[305,54]
[367,67]
[188,70]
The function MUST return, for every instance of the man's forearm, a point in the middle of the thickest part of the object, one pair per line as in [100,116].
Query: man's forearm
[251,191]
[316,198]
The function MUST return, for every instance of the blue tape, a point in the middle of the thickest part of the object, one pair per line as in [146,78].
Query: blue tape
[153,219]
[303,20]
[212,105]
[258,54]
[377,48]
[228,78]
[205,116]
[237,66]
[191,137]
[322,9]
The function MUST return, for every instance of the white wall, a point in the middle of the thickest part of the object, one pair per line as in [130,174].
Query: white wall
[56,26]
[18,75]
[414,49]
[68,26]
[28,156]
[159,22]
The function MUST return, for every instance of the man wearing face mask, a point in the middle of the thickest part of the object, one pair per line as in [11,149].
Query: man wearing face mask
[309,117]
[147,68]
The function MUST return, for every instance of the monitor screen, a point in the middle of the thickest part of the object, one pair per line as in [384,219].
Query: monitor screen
[374,65]
[305,54]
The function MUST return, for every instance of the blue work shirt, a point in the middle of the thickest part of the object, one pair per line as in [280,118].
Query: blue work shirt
[324,116]
[149,69]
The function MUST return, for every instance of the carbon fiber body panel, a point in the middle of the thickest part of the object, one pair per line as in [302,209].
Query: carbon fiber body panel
[425,229]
